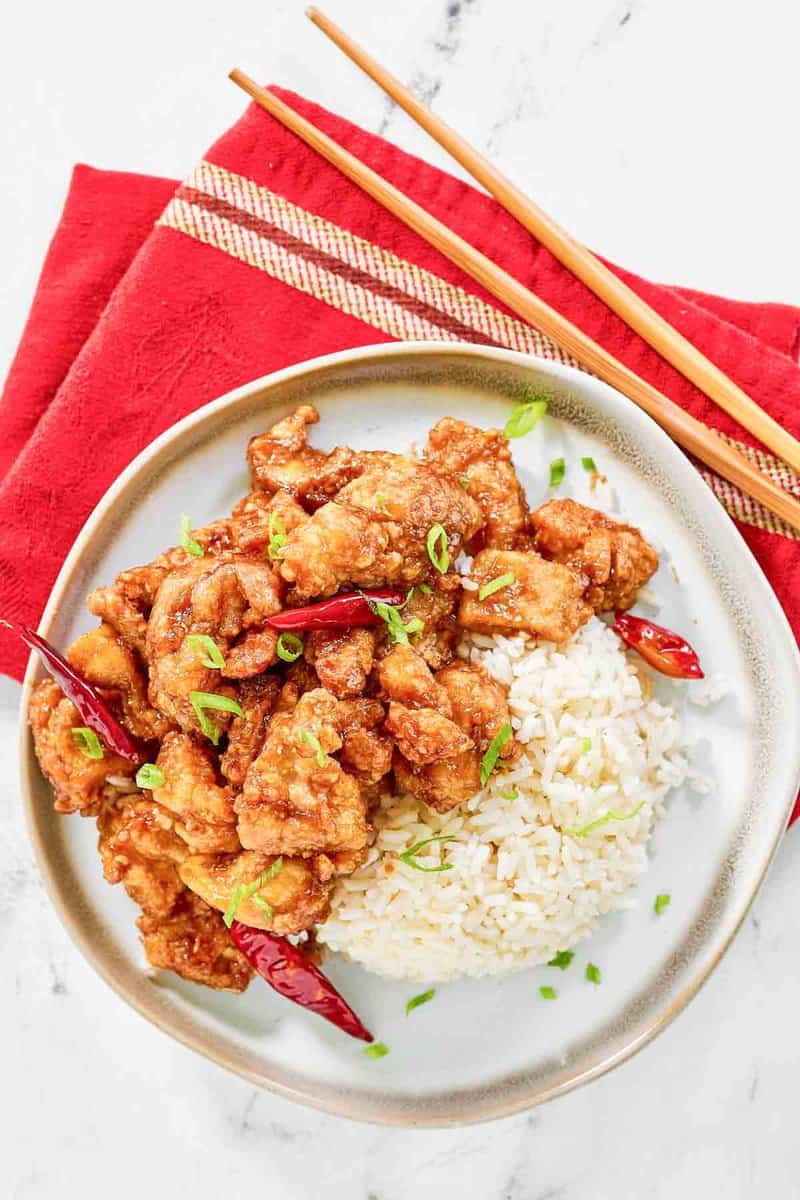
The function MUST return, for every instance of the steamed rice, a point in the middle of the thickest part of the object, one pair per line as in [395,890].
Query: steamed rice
[520,887]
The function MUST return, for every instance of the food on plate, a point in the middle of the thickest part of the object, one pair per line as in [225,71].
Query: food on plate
[375,709]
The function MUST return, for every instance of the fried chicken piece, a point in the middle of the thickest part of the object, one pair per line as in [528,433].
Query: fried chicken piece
[105,660]
[423,735]
[545,599]
[299,679]
[220,598]
[615,558]
[374,532]
[441,785]
[482,459]
[297,799]
[342,659]
[404,676]
[79,782]
[127,604]
[252,654]
[194,943]
[282,459]
[367,751]
[139,848]
[203,809]
[257,698]
[436,608]
[297,897]
[258,517]
[342,862]
[479,705]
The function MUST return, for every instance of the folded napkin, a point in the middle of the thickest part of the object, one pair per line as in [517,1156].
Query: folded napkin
[156,298]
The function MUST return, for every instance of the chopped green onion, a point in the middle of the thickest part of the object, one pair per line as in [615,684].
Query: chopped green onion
[245,890]
[511,794]
[376,1050]
[415,625]
[187,541]
[558,469]
[263,905]
[422,998]
[408,855]
[289,647]
[396,629]
[495,585]
[149,776]
[425,588]
[464,483]
[438,552]
[611,815]
[277,535]
[586,745]
[592,973]
[381,503]
[206,650]
[489,760]
[588,464]
[548,993]
[203,700]
[524,418]
[88,741]
[661,902]
[562,959]
[306,735]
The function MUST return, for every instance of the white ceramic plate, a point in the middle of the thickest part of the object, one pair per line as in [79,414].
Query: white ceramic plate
[483,1048]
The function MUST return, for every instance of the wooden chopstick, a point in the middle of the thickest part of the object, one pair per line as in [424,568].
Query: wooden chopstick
[695,437]
[649,324]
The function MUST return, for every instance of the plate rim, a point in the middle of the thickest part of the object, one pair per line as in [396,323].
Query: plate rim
[350,1106]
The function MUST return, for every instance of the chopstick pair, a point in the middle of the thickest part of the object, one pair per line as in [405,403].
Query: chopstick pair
[695,437]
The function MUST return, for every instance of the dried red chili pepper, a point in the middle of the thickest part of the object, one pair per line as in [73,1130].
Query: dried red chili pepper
[88,701]
[293,975]
[340,612]
[661,648]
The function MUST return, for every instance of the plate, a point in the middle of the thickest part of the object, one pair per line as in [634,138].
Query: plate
[482,1048]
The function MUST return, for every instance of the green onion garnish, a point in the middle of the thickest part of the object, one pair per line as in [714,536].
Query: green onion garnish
[381,503]
[438,552]
[408,855]
[396,629]
[511,794]
[88,741]
[592,973]
[548,993]
[661,902]
[306,735]
[524,418]
[558,469]
[588,464]
[425,588]
[289,647]
[464,483]
[149,776]
[562,959]
[245,890]
[376,1050]
[611,815]
[187,541]
[586,745]
[203,700]
[277,535]
[495,585]
[422,998]
[206,650]
[489,760]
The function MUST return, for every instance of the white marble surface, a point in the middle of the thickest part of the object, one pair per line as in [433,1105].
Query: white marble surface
[656,131]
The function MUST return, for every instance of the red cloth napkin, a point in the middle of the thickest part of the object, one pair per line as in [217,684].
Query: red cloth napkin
[266,257]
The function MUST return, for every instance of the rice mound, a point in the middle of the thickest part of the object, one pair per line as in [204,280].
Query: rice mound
[521,888]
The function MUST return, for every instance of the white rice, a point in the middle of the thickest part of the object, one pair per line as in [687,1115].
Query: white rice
[520,887]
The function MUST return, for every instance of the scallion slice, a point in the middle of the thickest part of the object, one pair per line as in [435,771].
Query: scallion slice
[586,745]
[203,700]
[289,647]
[511,794]
[558,469]
[376,1050]
[562,959]
[277,535]
[422,998]
[425,588]
[494,585]
[206,650]
[489,760]
[247,890]
[438,551]
[588,464]
[187,541]
[149,776]
[307,735]
[592,973]
[88,742]
[397,630]
[548,993]
[611,815]
[524,418]
[408,855]
[661,902]
[380,503]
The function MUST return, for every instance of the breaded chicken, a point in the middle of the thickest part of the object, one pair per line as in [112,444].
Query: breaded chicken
[203,808]
[481,458]
[435,605]
[404,676]
[257,698]
[342,659]
[140,849]
[615,558]
[423,735]
[367,750]
[282,459]
[194,943]
[102,658]
[295,895]
[297,799]
[545,598]
[376,529]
